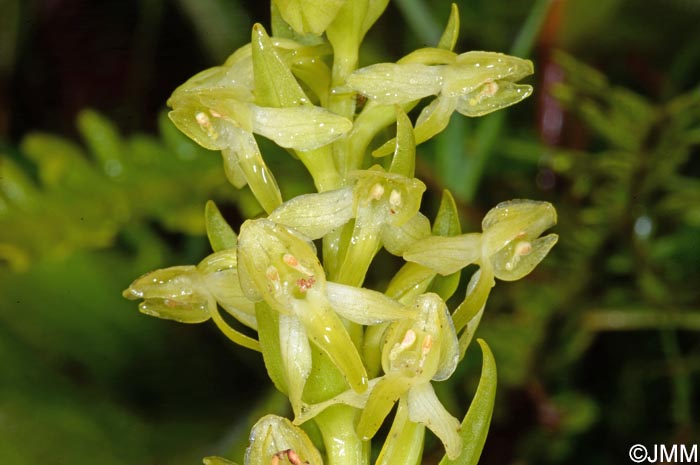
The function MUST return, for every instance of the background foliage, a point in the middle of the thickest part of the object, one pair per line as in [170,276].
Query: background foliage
[597,351]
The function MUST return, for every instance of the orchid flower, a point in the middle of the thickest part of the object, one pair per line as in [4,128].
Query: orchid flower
[278,265]
[473,83]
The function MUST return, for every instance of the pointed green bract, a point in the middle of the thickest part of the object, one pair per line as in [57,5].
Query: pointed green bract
[449,37]
[219,232]
[476,423]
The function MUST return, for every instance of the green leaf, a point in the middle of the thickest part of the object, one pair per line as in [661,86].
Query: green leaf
[221,235]
[102,138]
[476,423]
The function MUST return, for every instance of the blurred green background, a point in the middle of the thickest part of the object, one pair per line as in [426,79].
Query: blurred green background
[597,350]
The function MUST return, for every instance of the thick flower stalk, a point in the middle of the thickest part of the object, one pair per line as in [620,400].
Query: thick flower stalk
[343,352]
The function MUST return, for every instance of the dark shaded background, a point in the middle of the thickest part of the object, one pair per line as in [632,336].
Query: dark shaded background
[86,379]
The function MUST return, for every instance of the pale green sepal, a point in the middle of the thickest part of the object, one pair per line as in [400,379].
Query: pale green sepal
[219,274]
[269,336]
[273,437]
[397,239]
[302,128]
[491,97]
[221,235]
[473,69]
[372,341]
[275,85]
[214,460]
[515,219]
[475,425]
[244,156]
[391,83]
[520,257]
[306,16]
[449,37]
[379,403]
[406,444]
[175,293]
[316,75]
[296,358]
[315,215]
[404,161]
[365,306]
[424,407]
[446,255]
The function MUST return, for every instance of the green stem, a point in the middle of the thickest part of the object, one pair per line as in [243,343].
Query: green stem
[320,164]
[343,445]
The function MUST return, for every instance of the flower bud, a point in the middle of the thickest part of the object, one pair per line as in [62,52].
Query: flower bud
[276,441]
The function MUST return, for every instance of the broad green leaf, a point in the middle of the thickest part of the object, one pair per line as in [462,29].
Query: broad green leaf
[221,235]
[103,140]
[476,423]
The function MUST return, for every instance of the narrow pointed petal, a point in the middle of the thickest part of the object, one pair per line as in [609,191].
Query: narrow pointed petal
[406,444]
[424,407]
[478,291]
[404,161]
[244,155]
[381,399]
[353,399]
[296,358]
[365,306]
[446,255]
